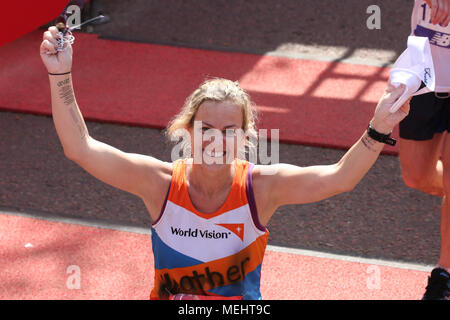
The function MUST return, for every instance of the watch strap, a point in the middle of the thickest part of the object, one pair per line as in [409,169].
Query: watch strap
[380,137]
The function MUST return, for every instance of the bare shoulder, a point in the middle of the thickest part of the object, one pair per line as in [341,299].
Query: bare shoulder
[264,177]
[161,177]
[165,168]
[152,173]
[264,174]
[158,185]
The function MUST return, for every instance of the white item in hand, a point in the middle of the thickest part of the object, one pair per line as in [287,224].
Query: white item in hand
[414,66]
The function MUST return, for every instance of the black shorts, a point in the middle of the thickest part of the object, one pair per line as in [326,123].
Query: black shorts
[429,114]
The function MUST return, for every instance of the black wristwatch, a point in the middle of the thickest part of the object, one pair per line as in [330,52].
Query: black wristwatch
[384,138]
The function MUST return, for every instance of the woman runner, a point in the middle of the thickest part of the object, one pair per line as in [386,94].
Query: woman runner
[209,209]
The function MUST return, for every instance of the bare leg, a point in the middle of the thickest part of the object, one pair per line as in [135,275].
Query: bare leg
[444,260]
[421,167]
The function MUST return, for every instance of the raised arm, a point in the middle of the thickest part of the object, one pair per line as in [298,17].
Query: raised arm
[290,184]
[138,174]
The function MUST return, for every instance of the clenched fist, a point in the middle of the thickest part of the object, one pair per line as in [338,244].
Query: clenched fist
[55,61]
[383,120]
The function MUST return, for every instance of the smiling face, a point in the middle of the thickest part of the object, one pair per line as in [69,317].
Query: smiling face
[217,132]
[217,119]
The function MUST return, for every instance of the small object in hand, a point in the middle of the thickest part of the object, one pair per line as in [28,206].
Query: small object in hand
[66,33]
[65,36]
[60,26]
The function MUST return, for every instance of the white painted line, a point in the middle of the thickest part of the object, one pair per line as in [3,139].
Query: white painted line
[325,255]
[146,231]
[102,224]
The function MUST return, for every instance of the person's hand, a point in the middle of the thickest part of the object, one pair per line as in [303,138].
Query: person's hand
[440,11]
[55,61]
[383,120]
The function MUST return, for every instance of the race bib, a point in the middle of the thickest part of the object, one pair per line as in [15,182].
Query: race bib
[437,34]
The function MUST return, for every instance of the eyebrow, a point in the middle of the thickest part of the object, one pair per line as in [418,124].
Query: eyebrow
[226,127]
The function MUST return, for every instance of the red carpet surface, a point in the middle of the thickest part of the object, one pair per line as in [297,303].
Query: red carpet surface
[311,102]
[31,13]
[53,260]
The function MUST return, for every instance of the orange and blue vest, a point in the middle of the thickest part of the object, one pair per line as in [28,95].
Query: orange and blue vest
[213,254]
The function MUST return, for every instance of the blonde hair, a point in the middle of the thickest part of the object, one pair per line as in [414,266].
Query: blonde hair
[219,90]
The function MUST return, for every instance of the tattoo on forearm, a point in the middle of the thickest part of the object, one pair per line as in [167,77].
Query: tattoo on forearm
[66,93]
[78,122]
[368,143]
[63,82]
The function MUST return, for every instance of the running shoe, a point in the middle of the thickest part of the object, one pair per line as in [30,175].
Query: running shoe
[438,287]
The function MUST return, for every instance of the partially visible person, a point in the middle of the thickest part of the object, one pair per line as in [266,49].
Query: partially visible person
[424,143]
[440,11]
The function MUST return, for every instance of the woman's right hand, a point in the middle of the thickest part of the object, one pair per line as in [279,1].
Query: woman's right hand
[55,61]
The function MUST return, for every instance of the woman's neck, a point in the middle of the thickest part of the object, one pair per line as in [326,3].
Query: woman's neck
[209,181]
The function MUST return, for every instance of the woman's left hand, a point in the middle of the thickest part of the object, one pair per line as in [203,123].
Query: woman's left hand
[383,120]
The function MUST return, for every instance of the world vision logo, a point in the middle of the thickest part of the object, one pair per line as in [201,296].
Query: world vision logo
[236,228]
